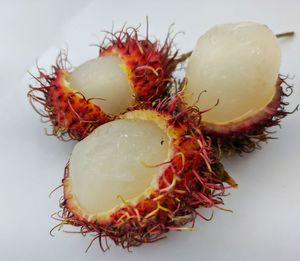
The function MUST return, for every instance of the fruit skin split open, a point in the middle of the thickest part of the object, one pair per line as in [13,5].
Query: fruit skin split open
[147,67]
[148,64]
[71,114]
[233,76]
[189,179]
[246,135]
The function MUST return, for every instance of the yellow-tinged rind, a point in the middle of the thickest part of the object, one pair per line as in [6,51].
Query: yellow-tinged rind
[104,217]
[192,178]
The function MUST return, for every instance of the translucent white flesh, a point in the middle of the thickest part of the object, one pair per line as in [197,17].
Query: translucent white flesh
[109,162]
[103,78]
[237,64]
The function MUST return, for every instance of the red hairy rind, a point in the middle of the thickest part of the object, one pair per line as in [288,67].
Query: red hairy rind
[72,115]
[148,63]
[149,66]
[247,135]
[191,179]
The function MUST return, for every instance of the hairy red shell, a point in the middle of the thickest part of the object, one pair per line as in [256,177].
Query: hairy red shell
[70,113]
[192,178]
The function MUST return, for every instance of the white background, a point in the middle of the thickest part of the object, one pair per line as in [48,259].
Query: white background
[265,224]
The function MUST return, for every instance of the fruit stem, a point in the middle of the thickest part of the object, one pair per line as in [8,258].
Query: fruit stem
[286,34]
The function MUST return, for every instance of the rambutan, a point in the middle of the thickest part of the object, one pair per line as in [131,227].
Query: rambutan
[235,68]
[129,69]
[71,114]
[135,178]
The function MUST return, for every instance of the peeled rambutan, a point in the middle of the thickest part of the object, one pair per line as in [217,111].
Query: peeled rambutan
[135,178]
[71,114]
[148,64]
[129,69]
[233,73]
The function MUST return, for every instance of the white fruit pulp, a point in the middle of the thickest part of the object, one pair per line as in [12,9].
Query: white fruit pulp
[114,161]
[236,63]
[105,80]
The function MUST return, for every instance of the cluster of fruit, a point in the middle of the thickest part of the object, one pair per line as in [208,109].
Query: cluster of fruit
[150,144]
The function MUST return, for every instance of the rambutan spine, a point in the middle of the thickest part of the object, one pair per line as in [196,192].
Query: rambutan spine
[148,66]
[192,178]
[245,135]
[72,116]
[249,139]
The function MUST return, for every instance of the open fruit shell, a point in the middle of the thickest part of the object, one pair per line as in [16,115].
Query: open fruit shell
[247,134]
[191,178]
[72,115]
[148,65]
